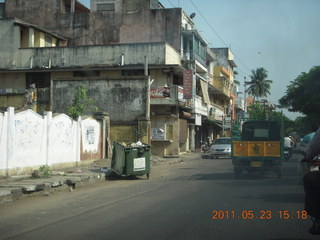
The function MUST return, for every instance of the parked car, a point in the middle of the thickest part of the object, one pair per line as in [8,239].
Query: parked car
[221,147]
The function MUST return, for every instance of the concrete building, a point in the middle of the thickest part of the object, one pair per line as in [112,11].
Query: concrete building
[223,80]
[146,65]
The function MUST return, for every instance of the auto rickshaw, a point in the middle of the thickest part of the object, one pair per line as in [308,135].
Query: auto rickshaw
[260,148]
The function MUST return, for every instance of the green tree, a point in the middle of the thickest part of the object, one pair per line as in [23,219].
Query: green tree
[259,111]
[259,85]
[303,95]
[256,111]
[80,103]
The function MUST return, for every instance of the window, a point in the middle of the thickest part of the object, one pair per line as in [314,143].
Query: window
[48,41]
[2,11]
[133,72]
[86,73]
[261,133]
[40,79]
[105,7]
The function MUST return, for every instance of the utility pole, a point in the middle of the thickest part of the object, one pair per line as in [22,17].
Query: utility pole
[245,95]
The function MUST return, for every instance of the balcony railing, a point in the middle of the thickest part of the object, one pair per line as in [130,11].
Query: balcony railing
[216,112]
[91,56]
[200,107]
[239,103]
[172,95]
[218,82]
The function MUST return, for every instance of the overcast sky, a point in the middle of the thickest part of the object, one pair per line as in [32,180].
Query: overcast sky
[283,36]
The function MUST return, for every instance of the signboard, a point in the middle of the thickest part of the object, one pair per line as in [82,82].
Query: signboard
[180,93]
[227,122]
[139,164]
[198,120]
[188,84]
[160,92]
[158,134]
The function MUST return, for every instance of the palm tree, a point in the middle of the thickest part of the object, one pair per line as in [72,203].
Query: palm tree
[259,85]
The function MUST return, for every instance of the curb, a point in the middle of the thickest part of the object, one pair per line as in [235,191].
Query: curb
[18,187]
[14,189]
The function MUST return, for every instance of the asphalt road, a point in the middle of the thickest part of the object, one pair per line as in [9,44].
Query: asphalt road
[197,199]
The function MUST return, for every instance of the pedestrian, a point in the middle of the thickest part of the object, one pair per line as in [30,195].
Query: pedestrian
[311,184]
[288,145]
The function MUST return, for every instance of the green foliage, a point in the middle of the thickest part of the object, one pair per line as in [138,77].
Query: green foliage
[256,111]
[259,85]
[305,125]
[80,104]
[259,111]
[45,171]
[303,94]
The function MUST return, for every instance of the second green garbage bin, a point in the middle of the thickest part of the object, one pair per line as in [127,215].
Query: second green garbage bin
[131,159]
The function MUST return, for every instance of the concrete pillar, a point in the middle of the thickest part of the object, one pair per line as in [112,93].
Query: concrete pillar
[103,118]
[78,150]
[192,137]
[48,119]
[144,130]
[31,37]
[10,135]
[73,2]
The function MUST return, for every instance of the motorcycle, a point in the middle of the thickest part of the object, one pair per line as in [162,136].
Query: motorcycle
[313,165]
[307,166]
[286,155]
[205,147]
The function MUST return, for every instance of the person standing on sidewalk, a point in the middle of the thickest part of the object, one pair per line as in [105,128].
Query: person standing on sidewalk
[311,184]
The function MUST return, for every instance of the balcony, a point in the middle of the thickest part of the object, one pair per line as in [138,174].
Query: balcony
[200,107]
[216,112]
[219,83]
[239,103]
[115,55]
[172,95]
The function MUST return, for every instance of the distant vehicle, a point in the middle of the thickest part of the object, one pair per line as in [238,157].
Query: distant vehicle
[260,148]
[221,147]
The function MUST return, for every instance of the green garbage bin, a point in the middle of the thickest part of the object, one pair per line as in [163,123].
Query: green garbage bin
[128,160]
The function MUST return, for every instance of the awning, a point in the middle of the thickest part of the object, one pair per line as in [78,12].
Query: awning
[215,122]
[186,114]
[204,87]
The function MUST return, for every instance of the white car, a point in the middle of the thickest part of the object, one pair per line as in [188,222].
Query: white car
[221,147]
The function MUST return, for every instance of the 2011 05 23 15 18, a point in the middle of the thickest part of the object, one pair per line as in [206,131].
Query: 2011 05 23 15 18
[260,214]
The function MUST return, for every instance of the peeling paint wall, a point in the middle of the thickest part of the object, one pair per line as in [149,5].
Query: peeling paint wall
[123,133]
[91,139]
[13,80]
[46,12]
[125,100]
[16,100]
[152,25]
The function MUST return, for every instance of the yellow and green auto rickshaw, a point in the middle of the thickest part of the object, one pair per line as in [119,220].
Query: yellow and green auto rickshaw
[259,149]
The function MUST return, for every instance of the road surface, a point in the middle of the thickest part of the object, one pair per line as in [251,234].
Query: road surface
[197,199]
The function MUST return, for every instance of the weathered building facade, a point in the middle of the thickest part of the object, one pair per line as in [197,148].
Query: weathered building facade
[146,65]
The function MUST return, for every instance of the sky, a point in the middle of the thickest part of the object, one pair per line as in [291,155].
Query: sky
[282,36]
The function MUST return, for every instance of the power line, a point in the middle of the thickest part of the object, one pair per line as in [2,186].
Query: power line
[171,3]
[215,32]
[208,23]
